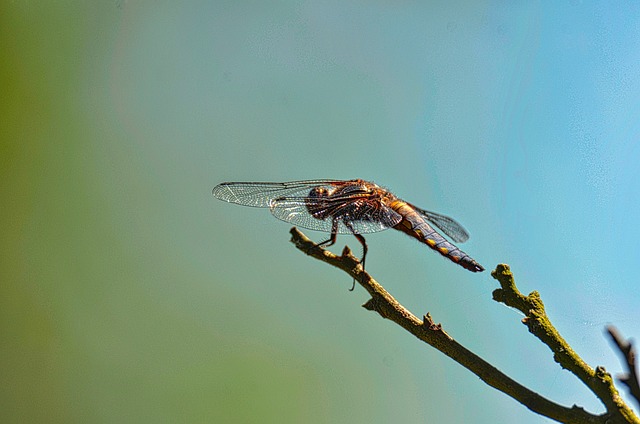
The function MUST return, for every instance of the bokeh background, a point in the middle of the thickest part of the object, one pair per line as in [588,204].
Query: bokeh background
[130,294]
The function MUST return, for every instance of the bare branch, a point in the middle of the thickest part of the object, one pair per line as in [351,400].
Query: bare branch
[434,335]
[628,352]
[598,381]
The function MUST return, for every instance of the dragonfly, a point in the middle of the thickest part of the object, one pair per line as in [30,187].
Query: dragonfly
[354,207]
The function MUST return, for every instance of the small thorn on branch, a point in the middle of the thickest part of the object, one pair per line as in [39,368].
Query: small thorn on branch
[429,323]
[370,305]
[347,253]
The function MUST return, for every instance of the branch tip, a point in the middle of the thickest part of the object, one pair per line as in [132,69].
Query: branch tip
[538,324]
[628,354]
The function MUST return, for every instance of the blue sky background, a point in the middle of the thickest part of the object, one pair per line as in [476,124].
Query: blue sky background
[130,294]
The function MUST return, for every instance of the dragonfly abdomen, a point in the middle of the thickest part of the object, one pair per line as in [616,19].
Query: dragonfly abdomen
[415,226]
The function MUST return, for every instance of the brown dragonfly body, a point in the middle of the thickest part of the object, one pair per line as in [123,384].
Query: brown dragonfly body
[350,207]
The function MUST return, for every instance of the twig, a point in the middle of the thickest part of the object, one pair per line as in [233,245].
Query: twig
[628,352]
[434,335]
[598,381]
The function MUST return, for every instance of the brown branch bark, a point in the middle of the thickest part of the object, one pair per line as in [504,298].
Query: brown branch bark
[434,335]
[628,352]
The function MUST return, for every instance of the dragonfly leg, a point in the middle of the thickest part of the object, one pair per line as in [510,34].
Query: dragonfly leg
[365,249]
[334,235]
[330,242]
[332,239]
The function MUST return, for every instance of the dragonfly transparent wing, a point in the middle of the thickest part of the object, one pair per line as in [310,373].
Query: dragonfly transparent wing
[260,195]
[363,215]
[448,225]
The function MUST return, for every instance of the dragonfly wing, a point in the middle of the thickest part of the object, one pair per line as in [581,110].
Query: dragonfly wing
[448,225]
[294,210]
[260,195]
[363,215]
[371,217]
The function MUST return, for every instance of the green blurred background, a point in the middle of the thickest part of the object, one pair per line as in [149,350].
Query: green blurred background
[130,294]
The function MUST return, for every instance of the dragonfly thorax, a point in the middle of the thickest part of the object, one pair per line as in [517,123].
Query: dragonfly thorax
[318,201]
[342,202]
